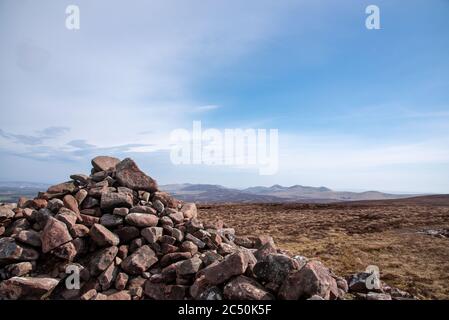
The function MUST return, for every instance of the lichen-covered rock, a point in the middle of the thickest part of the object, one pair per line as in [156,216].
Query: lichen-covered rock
[102,236]
[6,213]
[18,269]
[54,234]
[313,279]
[129,175]
[27,288]
[111,200]
[274,268]
[102,259]
[104,163]
[233,265]
[142,220]
[139,261]
[244,288]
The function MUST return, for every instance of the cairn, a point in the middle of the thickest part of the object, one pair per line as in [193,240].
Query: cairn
[113,235]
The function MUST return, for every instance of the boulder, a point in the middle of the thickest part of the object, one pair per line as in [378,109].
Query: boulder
[111,200]
[36,204]
[139,261]
[90,203]
[260,241]
[176,217]
[173,257]
[111,220]
[6,213]
[129,175]
[54,234]
[18,269]
[103,163]
[71,203]
[189,210]
[152,234]
[142,220]
[29,237]
[67,216]
[143,209]
[312,279]
[177,234]
[158,205]
[102,236]
[27,288]
[88,220]
[265,250]
[121,281]
[167,200]
[122,212]
[244,288]
[67,251]
[210,257]
[81,196]
[200,244]
[244,242]
[16,226]
[189,266]
[160,291]
[80,178]
[193,225]
[107,278]
[127,233]
[102,259]
[274,268]
[233,265]
[55,205]
[11,252]
[189,246]
[90,294]
[199,286]
[61,188]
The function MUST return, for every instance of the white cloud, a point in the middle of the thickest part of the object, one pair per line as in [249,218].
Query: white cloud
[129,69]
[206,108]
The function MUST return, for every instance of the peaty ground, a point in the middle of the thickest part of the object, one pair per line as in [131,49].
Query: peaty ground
[349,237]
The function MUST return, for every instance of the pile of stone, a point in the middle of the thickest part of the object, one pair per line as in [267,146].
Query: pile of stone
[114,236]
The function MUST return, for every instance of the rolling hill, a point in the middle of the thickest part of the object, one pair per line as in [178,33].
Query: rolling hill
[275,193]
[209,193]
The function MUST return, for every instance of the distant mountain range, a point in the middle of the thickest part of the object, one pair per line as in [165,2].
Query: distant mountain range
[275,193]
[208,193]
[10,191]
[24,185]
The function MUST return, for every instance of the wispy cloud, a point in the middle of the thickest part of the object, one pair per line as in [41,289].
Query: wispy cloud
[72,151]
[80,144]
[39,138]
[206,108]
[52,132]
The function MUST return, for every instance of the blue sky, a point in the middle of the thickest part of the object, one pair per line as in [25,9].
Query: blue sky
[356,109]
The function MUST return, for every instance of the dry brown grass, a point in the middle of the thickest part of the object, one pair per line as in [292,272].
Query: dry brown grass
[348,238]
